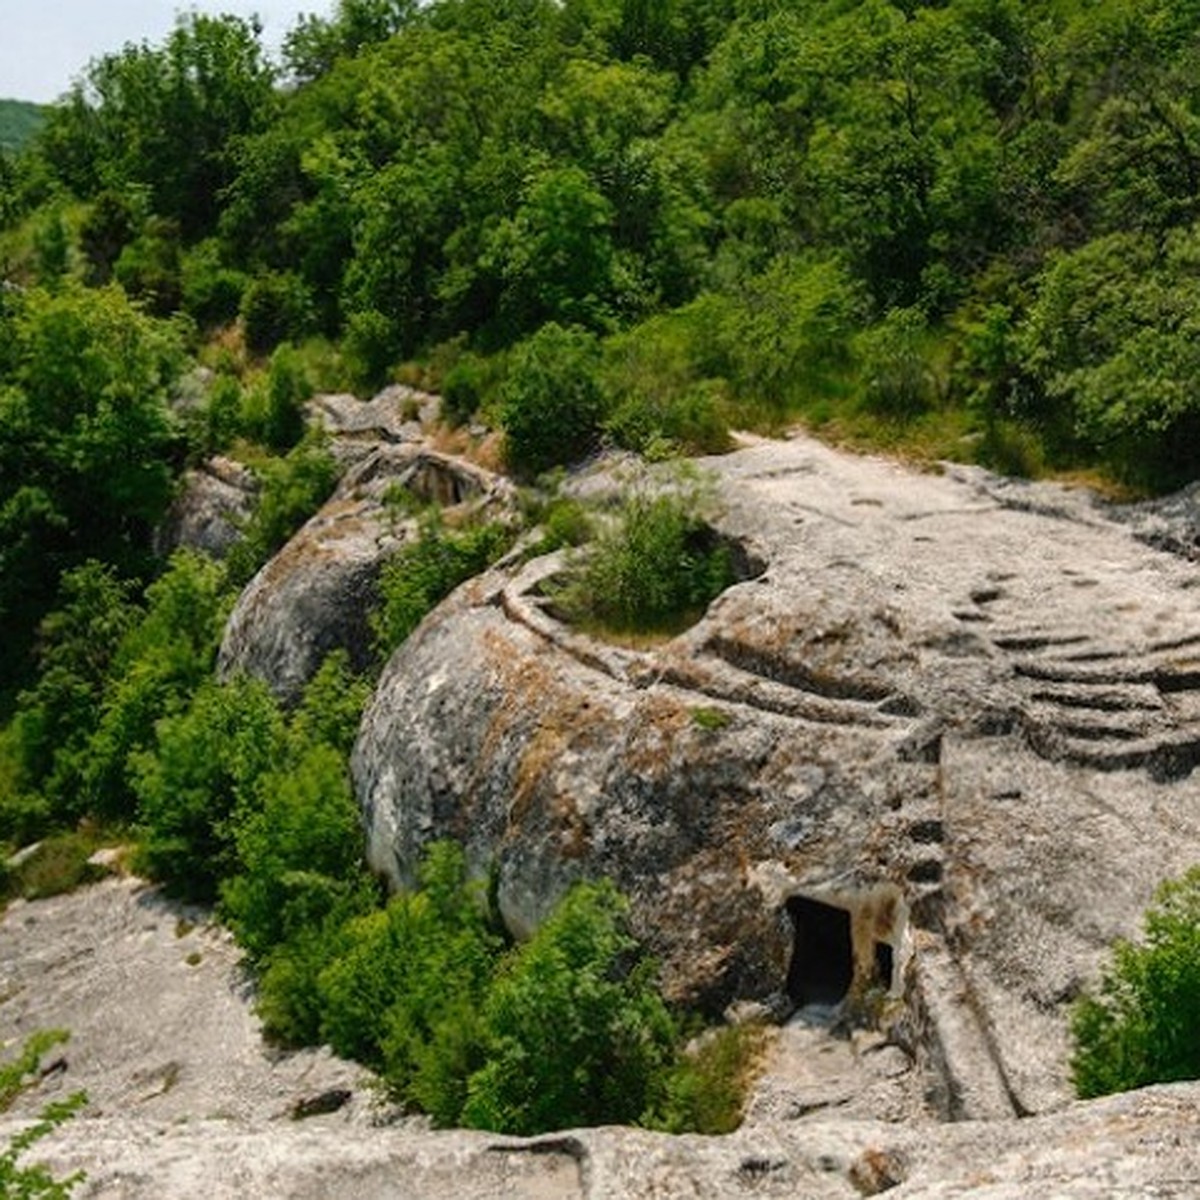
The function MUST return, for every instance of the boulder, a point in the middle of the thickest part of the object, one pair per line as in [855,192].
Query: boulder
[317,593]
[213,505]
[924,767]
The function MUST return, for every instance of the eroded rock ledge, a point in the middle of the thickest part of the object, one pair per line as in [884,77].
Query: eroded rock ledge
[948,738]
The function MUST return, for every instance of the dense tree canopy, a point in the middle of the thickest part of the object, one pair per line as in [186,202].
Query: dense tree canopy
[971,220]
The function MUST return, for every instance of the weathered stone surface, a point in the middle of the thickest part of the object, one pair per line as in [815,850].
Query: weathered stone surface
[960,712]
[963,712]
[317,593]
[1142,1144]
[186,1102]
[1171,523]
[158,1010]
[211,509]
[357,428]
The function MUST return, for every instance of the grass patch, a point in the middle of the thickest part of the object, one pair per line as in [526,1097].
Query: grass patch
[58,864]
[710,719]
[706,1090]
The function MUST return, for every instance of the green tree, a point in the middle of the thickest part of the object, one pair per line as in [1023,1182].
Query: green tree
[552,404]
[1139,1026]
[555,256]
[165,118]
[299,852]
[86,440]
[161,660]
[204,768]
[314,44]
[576,1033]
[56,718]
[1110,345]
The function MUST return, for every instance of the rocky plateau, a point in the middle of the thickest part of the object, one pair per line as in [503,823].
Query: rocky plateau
[897,790]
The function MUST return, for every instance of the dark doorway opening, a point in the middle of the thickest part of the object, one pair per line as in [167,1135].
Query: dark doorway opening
[822,966]
[883,965]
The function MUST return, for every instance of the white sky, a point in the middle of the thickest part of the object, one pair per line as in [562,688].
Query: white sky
[45,44]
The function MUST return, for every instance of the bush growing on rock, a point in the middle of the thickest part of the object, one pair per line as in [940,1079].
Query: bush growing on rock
[404,995]
[576,1033]
[293,488]
[429,569]
[1141,1027]
[203,769]
[654,570]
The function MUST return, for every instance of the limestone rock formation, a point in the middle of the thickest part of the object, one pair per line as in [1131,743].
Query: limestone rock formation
[185,1100]
[932,760]
[213,505]
[1132,1146]
[157,1008]
[357,428]
[317,593]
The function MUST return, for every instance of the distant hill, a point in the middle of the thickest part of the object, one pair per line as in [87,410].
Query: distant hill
[19,121]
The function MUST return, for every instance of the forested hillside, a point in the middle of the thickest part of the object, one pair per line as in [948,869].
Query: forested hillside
[963,229]
[19,121]
[973,217]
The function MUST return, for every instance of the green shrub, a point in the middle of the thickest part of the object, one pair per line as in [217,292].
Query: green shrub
[563,521]
[220,421]
[52,248]
[552,404]
[48,744]
[272,409]
[149,267]
[204,767]
[462,390]
[655,570]
[370,347]
[1140,1026]
[299,852]
[661,402]
[576,1033]
[212,292]
[787,332]
[289,1002]
[161,661]
[107,228]
[427,570]
[330,709]
[705,1089]
[894,375]
[293,488]
[410,972]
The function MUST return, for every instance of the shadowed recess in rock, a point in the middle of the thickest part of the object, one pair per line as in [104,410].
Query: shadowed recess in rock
[822,953]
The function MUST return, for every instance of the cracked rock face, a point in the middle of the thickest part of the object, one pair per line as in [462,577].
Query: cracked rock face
[963,712]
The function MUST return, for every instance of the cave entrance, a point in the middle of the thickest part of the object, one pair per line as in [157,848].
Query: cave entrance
[822,965]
